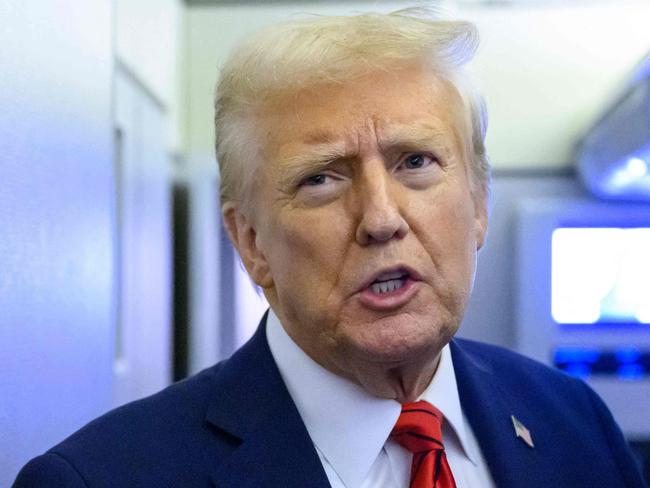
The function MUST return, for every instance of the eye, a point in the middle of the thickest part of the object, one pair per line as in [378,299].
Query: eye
[417,161]
[314,180]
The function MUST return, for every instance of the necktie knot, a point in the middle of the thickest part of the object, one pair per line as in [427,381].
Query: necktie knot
[419,427]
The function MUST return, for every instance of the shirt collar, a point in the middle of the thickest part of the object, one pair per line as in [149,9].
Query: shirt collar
[443,393]
[348,425]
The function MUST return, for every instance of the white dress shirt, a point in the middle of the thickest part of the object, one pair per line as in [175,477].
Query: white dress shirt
[350,428]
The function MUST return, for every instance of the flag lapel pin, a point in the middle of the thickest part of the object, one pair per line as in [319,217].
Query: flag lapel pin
[522,432]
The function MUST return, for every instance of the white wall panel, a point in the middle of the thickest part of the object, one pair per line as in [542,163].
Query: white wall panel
[56,221]
[148,39]
[143,359]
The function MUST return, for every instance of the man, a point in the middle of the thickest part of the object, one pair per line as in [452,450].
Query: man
[354,186]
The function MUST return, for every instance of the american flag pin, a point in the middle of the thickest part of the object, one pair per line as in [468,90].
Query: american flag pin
[522,432]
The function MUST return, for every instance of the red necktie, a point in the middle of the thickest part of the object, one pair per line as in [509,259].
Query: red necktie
[419,429]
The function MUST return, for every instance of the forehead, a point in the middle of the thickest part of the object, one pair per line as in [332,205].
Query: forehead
[404,104]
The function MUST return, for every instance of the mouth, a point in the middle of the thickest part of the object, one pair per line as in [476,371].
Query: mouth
[389,282]
[389,288]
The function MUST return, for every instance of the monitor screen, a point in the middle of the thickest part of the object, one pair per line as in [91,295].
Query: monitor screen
[600,275]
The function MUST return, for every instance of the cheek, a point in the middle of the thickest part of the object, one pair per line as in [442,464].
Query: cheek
[311,247]
[316,230]
[446,227]
[463,243]
[462,230]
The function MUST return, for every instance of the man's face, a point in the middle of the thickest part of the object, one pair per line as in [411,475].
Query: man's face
[363,231]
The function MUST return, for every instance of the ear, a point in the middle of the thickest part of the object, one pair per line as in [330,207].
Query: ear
[243,236]
[480,219]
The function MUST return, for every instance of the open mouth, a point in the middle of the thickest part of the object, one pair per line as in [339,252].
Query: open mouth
[390,289]
[389,282]
[386,284]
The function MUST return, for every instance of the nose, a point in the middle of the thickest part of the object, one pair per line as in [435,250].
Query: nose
[381,218]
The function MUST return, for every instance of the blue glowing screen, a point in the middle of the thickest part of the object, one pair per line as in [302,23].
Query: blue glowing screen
[600,275]
[626,362]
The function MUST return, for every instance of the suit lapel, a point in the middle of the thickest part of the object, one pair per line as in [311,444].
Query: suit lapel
[488,406]
[254,406]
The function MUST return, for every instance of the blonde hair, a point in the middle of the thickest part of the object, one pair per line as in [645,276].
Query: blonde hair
[294,55]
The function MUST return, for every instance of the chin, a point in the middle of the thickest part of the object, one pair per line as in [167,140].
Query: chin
[398,340]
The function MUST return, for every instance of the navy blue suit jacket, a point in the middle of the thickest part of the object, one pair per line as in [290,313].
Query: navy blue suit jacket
[235,425]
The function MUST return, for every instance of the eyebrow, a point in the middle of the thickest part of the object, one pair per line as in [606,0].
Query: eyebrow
[316,157]
[317,154]
[324,148]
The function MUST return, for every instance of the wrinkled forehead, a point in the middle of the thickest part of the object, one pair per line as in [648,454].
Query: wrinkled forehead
[408,103]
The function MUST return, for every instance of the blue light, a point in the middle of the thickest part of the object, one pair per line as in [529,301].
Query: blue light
[614,158]
[633,371]
[628,355]
[636,167]
[632,171]
[578,370]
[576,355]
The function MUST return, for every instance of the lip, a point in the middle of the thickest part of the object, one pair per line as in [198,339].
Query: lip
[394,299]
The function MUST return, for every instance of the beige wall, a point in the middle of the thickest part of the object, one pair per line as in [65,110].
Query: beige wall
[546,72]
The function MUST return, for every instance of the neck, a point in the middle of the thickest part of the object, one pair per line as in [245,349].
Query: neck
[403,379]
[404,382]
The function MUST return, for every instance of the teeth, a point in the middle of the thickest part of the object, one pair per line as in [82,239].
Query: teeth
[387,286]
